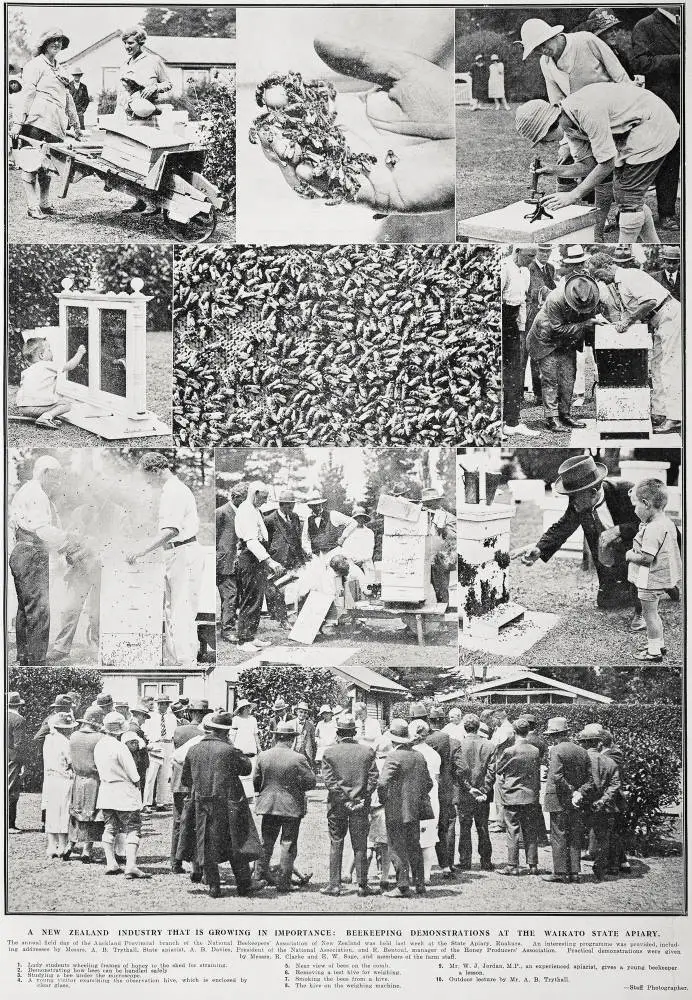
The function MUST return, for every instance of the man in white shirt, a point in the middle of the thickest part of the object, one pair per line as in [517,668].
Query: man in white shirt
[35,524]
[454,727]
[645,300]
[183,556]
[254,562]
[158,730]
[359,546]
[327,529]
[368,729]
[515,286]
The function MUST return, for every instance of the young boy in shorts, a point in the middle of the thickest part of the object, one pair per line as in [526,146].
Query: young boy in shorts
[37,396]
[654,561]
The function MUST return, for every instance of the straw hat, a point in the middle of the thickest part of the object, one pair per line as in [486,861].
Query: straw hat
[63,720]
[115,724]
[557,726]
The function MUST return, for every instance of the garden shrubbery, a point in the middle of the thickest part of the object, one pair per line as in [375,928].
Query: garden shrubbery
[263,685]
[38,686]
[651,740]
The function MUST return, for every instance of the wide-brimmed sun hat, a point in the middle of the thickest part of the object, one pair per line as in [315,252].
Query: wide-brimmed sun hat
[219,720]
[398,732]
[600,20]
[535,32]
[534,119]
[573,253]
[556,726]
[115,724]
[591,731]
[579,473]
[50,35]
[63,720]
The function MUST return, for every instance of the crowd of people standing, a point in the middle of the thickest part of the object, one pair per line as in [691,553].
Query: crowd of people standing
[406,797]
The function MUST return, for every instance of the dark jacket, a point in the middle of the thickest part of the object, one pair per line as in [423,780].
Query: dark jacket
[606,779]
[442,744]
[615,754]
[226,539]
[184,733]
[673,287]
[557,327]
[520,770]
[15,737]
[474,767]
[350,774]
[81,97]
[141,754]
[282,777]
[305,741]
[569,771]
[404,786]
[541,746]
[622,513]
[542,281]
[216,820]
[285,539]
[656,54]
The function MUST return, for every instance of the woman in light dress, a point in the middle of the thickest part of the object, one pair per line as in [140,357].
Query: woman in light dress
[418,730]
[245,737]
[57,783]
[496,83]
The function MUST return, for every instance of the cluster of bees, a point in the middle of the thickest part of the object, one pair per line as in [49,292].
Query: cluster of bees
[352,345]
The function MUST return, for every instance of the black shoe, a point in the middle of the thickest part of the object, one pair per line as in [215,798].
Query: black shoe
[214,891]
[657,419]
[563,879]
[553,424]
[569,422]
[669,427]
[667,223]
[176,868]
[138,206]
[120,858]
[254,887]
[487,866]
[366,890]
[196,877]
[674,593]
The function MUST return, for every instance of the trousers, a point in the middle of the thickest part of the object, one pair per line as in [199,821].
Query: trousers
[178,802]
[566,830]
[289,828]
[29,565]
[446,830]
[240,867]
[406,853]
[601,826]
[184,567]
[227,586]
[558,373]
[470,813]
[158,777]
[340,822]
[667,183]
[83,589]
[666,360]
[520,823]
[512,375]
[252,578]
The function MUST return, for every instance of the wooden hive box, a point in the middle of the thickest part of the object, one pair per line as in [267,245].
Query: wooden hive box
[407,551]
[137,147]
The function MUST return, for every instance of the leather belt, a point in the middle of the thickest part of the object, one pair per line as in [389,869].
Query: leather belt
[176,545]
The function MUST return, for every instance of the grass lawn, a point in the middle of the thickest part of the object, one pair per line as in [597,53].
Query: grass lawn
[389,646]
[656,885]
[159,390]
[533,415]
[91,215]
[493,166]
[585,635]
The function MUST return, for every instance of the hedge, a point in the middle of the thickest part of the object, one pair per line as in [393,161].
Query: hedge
[263,685]
[651,740]
[38,686]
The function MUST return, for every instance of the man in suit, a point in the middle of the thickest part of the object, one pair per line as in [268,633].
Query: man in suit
[184,734]
[226,555]
[15,740]
[350,775]
[404,789]
[218,825]
[541,281]
[474,768]
[656,54]
[669,275]
[605,512]
[80,94]
[304,728]
[537,741]
[445,746]
[519,768]
[569,786]
[285,545]
[564,321]
[139,713]
[282,777]
[603,806]
[619,834]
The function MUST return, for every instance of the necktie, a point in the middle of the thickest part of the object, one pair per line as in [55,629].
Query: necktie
[163,727]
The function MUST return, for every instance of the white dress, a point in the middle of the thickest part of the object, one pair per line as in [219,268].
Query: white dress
[496,81]
[57,782]
[428,827]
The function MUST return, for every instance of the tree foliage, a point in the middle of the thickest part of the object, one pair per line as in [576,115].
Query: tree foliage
[18,47]
[263,685]
[38,686]
[192,22]
[35,274]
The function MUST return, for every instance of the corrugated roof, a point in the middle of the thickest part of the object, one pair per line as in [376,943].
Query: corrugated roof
[366,678]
